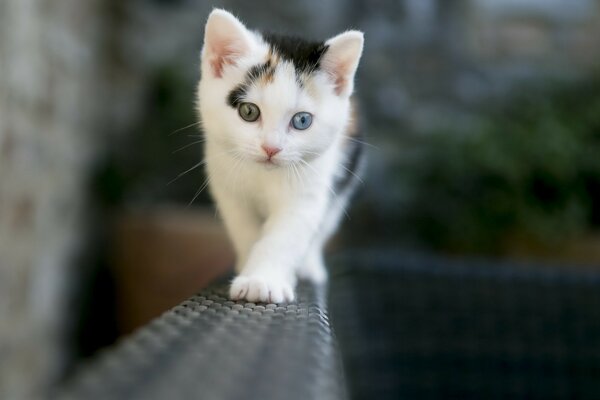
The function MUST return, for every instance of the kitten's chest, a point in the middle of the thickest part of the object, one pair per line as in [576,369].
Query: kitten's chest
[257,187]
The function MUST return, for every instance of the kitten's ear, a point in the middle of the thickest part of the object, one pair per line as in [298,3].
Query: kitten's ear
[341,60]
[226,39]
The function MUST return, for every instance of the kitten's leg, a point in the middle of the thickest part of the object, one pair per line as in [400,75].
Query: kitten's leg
[313,267]
[269,274]
[242,226]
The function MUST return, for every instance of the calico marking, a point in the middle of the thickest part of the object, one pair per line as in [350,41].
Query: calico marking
[257,72]
[304,55]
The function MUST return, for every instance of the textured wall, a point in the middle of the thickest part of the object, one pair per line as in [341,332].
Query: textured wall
[48,83]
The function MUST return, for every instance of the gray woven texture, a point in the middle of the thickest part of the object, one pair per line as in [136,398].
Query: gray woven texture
[421,327]
[209,347]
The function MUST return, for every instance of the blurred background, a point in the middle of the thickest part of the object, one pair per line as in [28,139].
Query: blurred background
[483,127]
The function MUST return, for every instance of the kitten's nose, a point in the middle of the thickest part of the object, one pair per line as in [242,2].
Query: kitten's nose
[271,151]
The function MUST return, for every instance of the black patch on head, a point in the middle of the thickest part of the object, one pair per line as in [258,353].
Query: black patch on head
[304,54]
[258,71]
[234,98]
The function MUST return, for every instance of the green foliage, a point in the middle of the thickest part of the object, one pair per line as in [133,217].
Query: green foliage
[529,168]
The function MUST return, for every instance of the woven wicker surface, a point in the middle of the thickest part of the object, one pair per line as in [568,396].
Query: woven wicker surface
[212,348]
[408,327]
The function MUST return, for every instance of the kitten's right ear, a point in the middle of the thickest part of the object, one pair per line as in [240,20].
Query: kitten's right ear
[226,39]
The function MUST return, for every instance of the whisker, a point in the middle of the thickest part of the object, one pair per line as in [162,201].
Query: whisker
[318,176]
[297,176]
[353,174]
[184,128]
[188,145]
[341,165]
[311,152]
[187,171]
[362,142]
[204,185]
[328,186]
[235,171]
[300,177]
[197,165]
[288,177]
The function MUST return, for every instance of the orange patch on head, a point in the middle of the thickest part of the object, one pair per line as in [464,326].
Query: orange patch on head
[269,75]
[272,60]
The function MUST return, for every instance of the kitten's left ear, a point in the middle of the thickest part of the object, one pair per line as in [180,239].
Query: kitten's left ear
[226,39]
[341,60]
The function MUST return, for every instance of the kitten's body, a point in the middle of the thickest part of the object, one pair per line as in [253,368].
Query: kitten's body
[281,191]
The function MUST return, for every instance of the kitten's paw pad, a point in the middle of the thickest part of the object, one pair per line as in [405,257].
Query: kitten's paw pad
[261,290]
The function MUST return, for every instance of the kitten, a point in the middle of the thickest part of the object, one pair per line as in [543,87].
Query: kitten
[280,159]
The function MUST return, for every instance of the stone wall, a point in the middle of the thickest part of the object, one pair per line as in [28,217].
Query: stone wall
[49,81]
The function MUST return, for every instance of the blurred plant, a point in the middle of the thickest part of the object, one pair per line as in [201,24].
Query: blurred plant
[142,168]
[529,170]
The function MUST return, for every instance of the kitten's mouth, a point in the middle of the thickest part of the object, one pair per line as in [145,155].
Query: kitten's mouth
[269,162]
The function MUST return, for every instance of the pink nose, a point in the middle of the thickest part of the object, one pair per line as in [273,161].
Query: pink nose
[271,151]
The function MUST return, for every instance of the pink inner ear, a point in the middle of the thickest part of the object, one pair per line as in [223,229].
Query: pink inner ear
[220,57]
[340,84]
[216,64]
[339,74]
[224,53]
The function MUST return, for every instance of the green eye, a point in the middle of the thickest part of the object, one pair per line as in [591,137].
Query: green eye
[302,120]
[249,112]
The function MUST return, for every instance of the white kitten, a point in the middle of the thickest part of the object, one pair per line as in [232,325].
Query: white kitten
[276,115]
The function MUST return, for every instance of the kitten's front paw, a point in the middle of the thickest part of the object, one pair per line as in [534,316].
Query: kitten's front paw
[260,289]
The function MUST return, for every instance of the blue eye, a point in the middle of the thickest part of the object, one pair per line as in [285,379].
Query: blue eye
[301,120]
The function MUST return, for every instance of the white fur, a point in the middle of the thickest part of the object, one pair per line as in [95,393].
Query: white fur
[278,215]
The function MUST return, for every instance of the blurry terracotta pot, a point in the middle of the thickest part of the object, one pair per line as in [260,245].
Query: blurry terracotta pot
[163,256]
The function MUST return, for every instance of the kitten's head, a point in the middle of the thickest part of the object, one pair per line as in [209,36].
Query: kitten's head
[274,99]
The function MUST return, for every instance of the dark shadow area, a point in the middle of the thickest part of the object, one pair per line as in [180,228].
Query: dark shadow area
[413,326]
